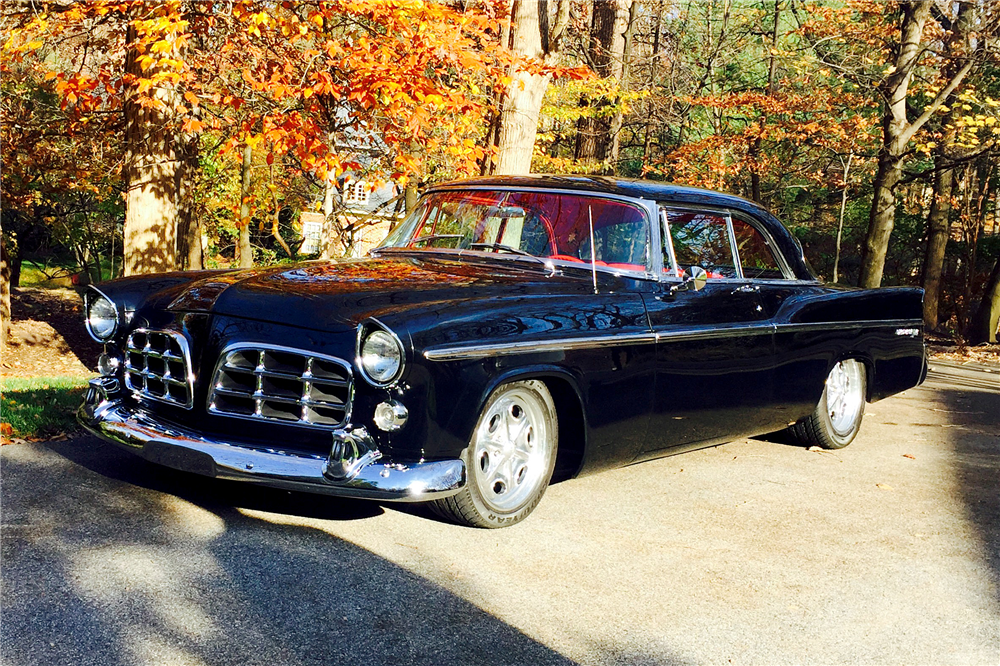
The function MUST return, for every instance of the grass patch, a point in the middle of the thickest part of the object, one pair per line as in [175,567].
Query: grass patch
[40,407]
[53,275]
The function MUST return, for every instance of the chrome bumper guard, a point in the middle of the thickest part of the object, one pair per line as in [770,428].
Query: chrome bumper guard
[351,470]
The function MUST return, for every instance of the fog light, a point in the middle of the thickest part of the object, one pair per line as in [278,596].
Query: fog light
[390,416]
[107,365]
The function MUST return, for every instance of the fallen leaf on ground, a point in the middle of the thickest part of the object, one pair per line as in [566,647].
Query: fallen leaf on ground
[6,429]
[814,448]
[883,486]
[907,455]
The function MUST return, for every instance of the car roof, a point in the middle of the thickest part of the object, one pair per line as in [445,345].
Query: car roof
[630,187]
[652,190]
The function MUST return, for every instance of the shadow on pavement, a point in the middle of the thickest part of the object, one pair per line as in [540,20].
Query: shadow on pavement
[97,569]
[974,400]
[137,577]
[212,494]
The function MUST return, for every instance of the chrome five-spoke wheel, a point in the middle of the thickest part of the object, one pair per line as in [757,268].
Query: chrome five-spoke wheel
[509,459]
[845,398]
[837,419]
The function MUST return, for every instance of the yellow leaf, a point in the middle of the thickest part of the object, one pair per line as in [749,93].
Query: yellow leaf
[162,46]
[35,44]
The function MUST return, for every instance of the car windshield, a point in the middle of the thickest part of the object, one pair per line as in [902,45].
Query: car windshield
[563,227]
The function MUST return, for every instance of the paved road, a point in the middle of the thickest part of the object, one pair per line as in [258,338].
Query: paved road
[751,553]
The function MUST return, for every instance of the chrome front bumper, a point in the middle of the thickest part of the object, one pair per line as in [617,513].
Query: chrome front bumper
[351,470]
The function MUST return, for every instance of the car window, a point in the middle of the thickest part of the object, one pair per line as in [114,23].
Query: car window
[567,227]
[756,255]
[699,239]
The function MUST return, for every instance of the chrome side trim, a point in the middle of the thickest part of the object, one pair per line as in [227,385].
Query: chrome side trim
[473,351]
[454,353]
[721,331]
[182,448]
[862,323]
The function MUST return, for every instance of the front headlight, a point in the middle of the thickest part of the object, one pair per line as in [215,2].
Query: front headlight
[102,316]
[381,356]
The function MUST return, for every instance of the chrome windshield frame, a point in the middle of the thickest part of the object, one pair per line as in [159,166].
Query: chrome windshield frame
[647,206]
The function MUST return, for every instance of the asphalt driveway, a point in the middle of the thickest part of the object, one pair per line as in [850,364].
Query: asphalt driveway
[755,552]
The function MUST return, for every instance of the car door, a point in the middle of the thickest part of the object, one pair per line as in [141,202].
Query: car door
[714,348]
[798,371]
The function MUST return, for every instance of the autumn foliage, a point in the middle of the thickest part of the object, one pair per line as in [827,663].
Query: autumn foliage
[258,109]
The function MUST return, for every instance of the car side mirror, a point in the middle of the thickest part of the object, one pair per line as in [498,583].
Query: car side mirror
[695,281]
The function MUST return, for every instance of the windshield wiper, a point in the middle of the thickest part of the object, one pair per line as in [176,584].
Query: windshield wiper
[500,247]
[436,237]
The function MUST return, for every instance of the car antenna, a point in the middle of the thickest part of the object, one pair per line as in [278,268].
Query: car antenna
[593,257]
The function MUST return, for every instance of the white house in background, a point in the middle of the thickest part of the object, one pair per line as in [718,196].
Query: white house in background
[365,215]
[370,210]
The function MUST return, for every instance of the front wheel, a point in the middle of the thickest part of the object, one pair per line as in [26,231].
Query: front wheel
[509,460]
[837,418]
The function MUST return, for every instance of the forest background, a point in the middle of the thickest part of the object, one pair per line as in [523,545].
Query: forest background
[140,137]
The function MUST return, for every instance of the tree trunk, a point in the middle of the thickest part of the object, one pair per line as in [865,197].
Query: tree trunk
[411,194]
[244,251]
[986,322]
[897,130]
[647,141]
[329,199]
[586,134]
[151,168]
[880,220]
[4,294]
[531,38]
[755,145]
[608,29]
[628,37]
[840,222]
[189,238]
[276,222]
[519,123]
[937,241]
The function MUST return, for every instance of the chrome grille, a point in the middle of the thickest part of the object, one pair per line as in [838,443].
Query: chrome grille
[280,384]
[158,367]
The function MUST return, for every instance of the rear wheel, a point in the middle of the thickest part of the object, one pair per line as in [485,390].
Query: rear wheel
[509,460]
[837,418]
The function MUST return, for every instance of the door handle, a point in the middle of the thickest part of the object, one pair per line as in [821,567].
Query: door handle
[746,289]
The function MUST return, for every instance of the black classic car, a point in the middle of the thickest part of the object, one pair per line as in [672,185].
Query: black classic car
[509,332]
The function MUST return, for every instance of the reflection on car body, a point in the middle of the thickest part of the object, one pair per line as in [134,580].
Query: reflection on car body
[508,332]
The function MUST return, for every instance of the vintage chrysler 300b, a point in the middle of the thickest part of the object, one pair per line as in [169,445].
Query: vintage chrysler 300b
[510,331]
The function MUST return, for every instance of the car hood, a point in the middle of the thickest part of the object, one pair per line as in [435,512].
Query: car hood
[333,295]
